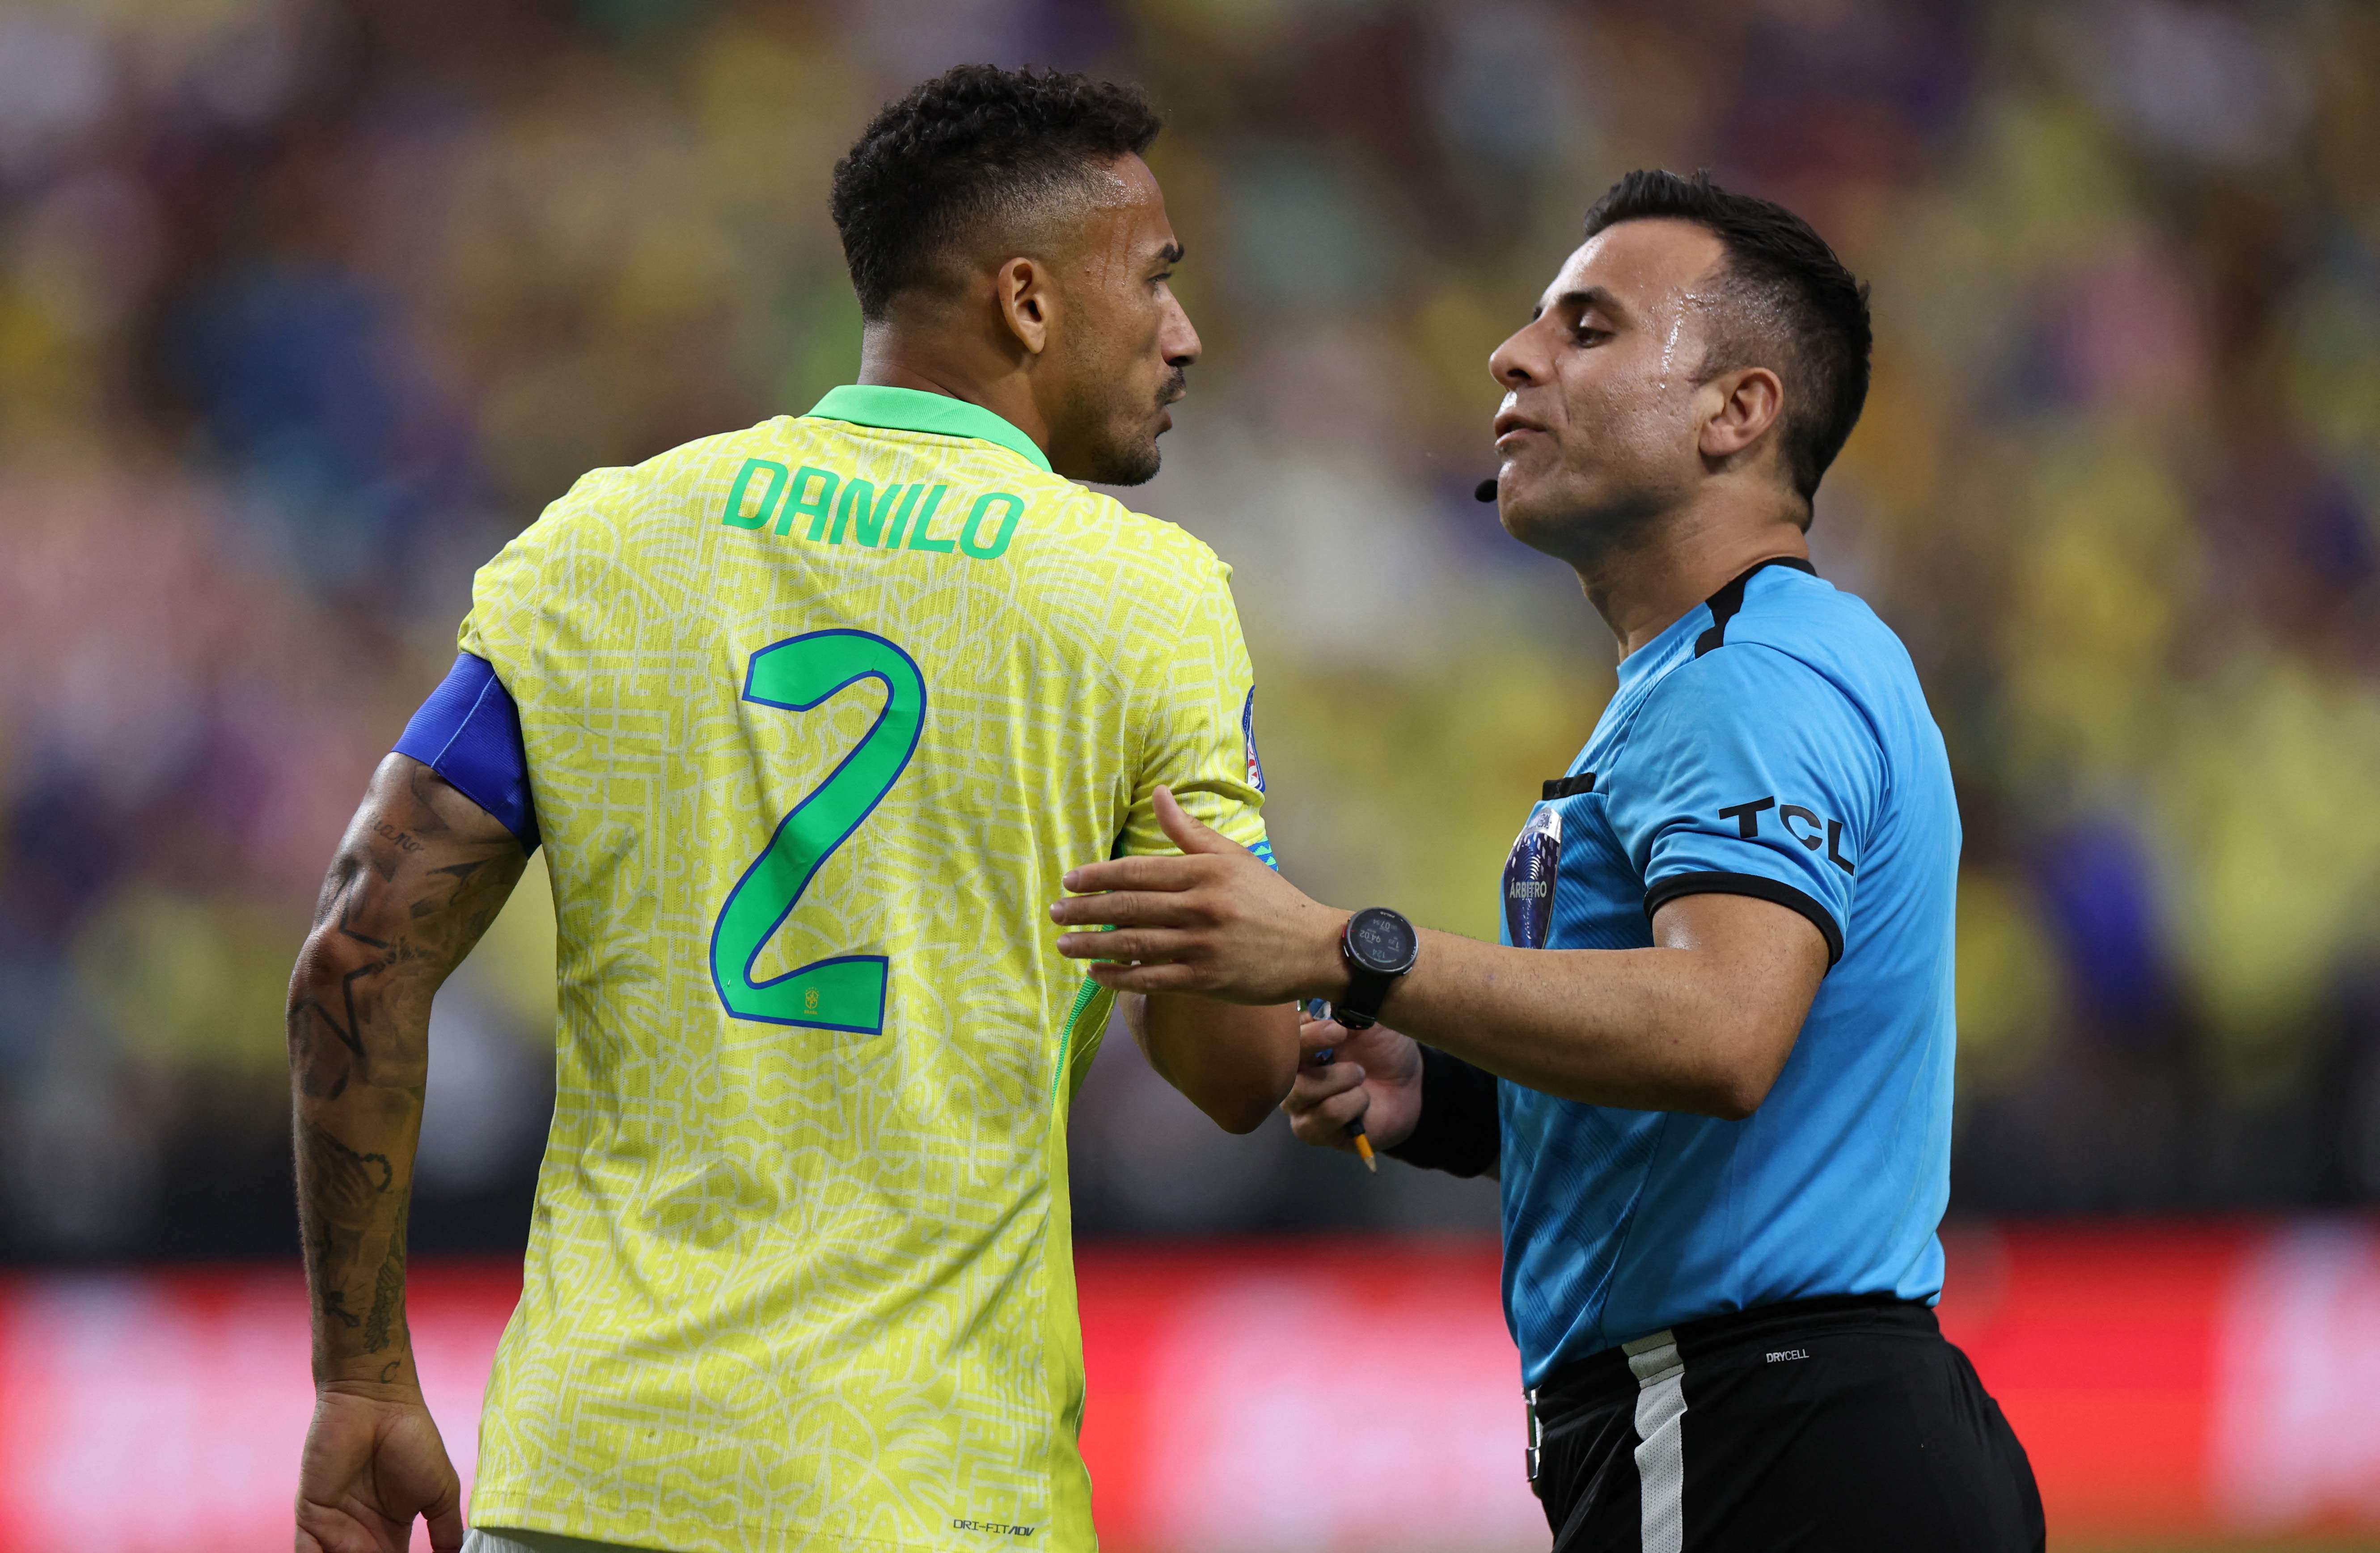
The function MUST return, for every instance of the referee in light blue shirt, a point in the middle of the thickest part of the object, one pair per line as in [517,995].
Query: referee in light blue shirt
[1711,1058]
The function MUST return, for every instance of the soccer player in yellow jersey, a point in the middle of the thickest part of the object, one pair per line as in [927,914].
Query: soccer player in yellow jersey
[809,718]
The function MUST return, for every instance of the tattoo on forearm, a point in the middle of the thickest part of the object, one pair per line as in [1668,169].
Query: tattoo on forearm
[345,1181]
[329,1253]
[409,893]
[341,1187]
[388,1287]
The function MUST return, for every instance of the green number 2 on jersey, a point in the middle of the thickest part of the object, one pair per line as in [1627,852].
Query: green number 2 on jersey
[801,674]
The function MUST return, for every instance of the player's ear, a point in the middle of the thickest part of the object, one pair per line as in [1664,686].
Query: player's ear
[1021,287]
[1740,406]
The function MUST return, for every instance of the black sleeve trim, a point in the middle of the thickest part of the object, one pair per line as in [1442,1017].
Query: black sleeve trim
[1667,889]
[1460,1130]
[1568,786]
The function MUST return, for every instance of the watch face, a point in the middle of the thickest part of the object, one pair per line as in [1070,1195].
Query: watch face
[1381,941]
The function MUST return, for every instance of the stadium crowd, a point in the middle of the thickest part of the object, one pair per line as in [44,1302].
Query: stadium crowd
[306,307]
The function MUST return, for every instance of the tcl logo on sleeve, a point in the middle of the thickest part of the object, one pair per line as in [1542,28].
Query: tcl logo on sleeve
[1807,826]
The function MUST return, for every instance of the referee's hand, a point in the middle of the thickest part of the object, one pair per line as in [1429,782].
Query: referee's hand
[1214,921]
[1374,1075]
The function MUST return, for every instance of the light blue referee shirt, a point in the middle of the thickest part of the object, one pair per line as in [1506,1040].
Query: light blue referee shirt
[1773,743]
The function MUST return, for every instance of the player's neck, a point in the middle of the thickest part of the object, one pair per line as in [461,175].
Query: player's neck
[1644,588]
[891,358]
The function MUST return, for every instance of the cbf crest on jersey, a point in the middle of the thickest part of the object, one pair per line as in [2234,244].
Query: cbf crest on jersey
[1248,737]
[1529,875]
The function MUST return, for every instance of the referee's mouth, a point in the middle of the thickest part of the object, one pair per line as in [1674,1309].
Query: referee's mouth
[1510,425]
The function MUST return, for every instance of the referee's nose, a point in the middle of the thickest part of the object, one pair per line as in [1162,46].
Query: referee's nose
[1521,359]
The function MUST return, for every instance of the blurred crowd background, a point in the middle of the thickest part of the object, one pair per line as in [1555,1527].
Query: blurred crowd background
[305,307]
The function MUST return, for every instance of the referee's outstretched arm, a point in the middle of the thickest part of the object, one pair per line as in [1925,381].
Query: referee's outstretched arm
[1701,1021]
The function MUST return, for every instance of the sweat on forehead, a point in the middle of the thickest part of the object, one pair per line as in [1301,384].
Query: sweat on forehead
[1675,277]
[1640,267]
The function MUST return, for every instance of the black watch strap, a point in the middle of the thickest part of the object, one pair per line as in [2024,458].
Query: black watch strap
[1367,991]
[1378,946]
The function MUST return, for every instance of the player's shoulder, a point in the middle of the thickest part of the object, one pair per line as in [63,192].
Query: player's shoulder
[692,469]
[687,471]
[1159,546]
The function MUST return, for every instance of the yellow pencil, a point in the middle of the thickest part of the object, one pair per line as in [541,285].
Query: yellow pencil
[1318,1008]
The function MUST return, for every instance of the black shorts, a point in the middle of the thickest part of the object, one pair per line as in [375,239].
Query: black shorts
[1842,1425]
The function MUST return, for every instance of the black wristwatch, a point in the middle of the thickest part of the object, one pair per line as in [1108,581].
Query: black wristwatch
[1379,946]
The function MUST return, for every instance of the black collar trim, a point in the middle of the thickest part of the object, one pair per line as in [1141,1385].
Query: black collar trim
[1728,601]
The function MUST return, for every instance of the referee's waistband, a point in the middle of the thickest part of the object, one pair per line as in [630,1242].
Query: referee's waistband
[1605,1375]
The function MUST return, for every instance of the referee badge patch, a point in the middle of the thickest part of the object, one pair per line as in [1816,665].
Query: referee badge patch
[1529,875]
[1248,739]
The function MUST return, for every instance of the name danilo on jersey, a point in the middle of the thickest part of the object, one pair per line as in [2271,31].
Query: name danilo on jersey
[842,510]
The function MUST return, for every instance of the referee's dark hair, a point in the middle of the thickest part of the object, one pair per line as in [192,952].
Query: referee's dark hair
[974,146]
[1787,292]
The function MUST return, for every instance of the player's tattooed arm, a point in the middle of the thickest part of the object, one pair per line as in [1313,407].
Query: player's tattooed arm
[420,873]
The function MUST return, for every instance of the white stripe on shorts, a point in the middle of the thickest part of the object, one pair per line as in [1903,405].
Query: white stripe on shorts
[493,1540]
[1660,1432]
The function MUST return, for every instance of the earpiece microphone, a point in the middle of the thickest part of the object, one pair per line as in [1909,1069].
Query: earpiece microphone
[1487,491]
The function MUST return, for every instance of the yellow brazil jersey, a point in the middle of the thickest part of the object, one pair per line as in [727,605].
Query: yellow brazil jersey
[817,714]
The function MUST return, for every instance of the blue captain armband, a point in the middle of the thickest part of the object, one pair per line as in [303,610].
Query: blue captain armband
[469,732]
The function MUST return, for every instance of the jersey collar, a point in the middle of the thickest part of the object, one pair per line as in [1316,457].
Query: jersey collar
[1656,655]
[938,415]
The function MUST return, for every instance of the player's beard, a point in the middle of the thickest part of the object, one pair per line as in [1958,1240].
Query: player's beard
[1130,456]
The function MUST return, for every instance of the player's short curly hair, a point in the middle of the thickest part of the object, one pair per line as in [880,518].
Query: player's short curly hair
[1794,306]
[974,144]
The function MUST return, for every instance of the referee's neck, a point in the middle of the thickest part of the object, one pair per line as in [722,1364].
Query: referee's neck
[1643,588]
